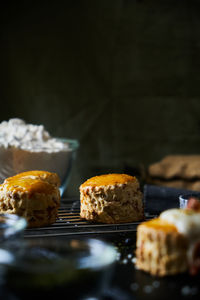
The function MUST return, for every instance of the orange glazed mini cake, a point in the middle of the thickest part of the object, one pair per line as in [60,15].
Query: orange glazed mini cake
[33,195]
[111,198]
[170,244]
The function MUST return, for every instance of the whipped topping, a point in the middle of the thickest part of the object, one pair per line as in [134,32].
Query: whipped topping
[186,221]
[17,133]
[25,147]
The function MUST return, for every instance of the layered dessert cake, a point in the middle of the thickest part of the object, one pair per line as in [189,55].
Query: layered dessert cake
[33,195]
[170,244]
[111,198]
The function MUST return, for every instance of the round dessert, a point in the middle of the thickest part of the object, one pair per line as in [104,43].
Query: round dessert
[160,248]
[34,195]
[170,243]
[111,198]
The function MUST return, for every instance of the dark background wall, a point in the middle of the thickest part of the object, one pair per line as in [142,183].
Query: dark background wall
[121,76]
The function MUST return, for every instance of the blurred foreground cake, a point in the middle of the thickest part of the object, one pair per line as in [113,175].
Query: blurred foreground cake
[178,171]
[33,195]
[170,244]
[111,198]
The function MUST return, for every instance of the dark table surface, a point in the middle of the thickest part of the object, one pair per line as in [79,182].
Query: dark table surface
[126,282]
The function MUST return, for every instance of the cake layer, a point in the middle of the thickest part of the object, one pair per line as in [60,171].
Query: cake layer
[34,195]
[170,244]
[111,198]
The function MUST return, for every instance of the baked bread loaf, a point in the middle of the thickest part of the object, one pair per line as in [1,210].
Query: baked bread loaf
[176,166]
[170,244]
[178,171]
[111,198]
[177,183]
[34,195]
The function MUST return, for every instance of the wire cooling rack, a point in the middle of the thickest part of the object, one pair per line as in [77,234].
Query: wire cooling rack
[69,223]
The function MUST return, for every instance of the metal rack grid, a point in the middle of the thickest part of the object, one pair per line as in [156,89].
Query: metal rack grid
[69,223]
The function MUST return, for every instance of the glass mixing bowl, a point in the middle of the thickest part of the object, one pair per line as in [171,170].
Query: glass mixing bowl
[11,236]
[11,227]
[54,267]
[15,160]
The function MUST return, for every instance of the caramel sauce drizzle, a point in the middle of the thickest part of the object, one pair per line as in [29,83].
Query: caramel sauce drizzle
[159,224]
[108,179]
[29,181]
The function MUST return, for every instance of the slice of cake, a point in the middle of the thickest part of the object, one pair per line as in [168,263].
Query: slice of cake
[33,195]
[170,244]
[111,198]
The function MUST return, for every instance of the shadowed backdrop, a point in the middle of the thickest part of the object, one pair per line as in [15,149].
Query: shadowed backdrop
[120,76]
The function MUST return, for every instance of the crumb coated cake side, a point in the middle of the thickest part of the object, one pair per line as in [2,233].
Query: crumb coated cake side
[111,198]
[160,248]
[34,195]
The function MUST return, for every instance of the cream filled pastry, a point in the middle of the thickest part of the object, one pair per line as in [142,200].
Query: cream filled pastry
[170,244]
